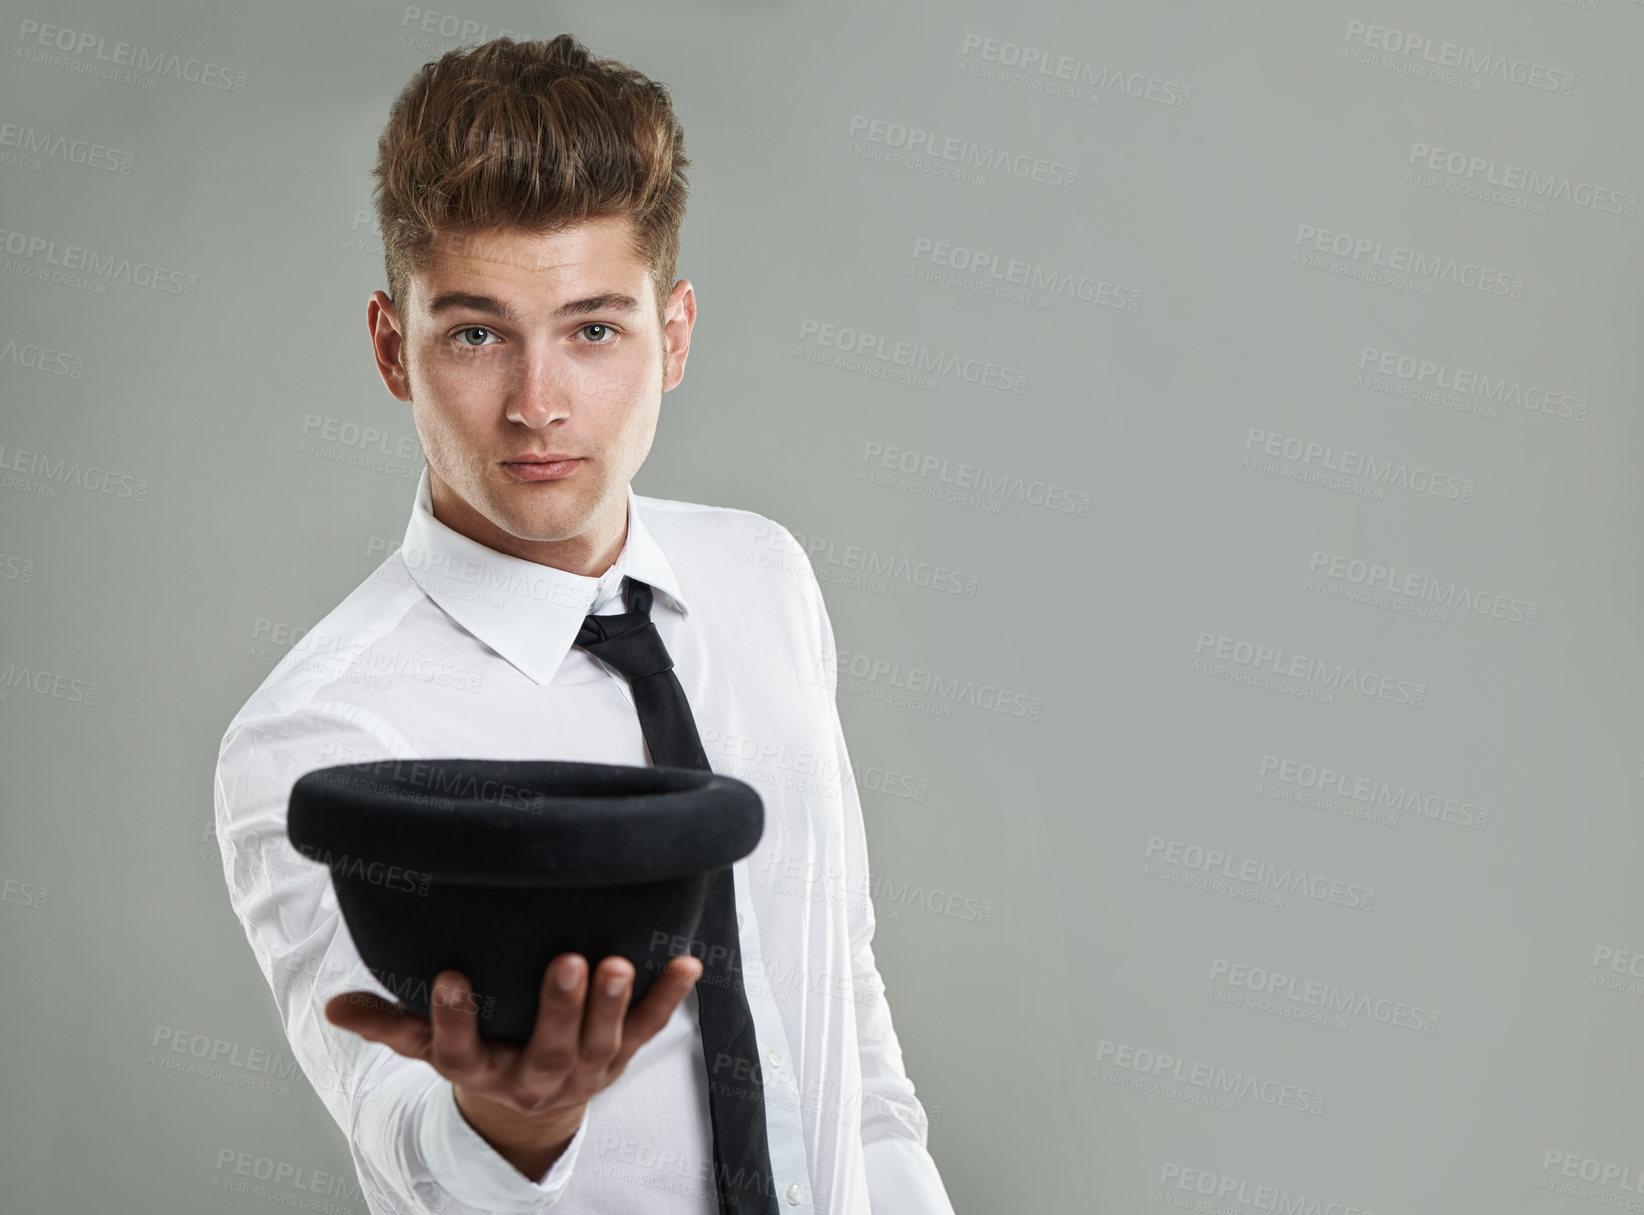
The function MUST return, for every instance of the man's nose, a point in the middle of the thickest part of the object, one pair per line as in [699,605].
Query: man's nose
[539,390]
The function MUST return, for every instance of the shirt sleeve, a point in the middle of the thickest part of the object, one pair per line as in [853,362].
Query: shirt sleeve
[415,1153]
[902,1176]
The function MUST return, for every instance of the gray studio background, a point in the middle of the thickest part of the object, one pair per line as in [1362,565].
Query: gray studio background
[1290,478]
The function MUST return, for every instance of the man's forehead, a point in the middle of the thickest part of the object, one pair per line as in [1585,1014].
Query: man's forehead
[529,262]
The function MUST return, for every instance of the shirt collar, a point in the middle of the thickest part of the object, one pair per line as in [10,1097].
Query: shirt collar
[528,612]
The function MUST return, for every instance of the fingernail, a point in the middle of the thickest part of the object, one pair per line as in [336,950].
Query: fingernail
[567,979]
[614,986]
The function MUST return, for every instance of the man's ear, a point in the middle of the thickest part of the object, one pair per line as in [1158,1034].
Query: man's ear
[676,332]
[382,318]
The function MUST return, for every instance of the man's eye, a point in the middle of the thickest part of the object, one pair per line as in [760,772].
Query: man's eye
[472,329]
[599,326]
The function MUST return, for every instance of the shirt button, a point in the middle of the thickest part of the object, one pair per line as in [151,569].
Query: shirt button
[792,1194]
[775,1058]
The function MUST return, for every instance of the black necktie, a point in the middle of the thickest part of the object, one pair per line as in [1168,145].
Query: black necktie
[629,642]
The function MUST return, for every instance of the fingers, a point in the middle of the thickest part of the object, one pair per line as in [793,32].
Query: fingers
[551,1053]
[376,1020]
[578,1032]
[584,1035]
[457,1052]
[602,1028]
[652,1013]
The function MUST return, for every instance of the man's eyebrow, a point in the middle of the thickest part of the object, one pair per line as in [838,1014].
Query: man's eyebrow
[609,301]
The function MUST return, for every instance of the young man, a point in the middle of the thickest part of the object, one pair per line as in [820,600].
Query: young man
[530,201]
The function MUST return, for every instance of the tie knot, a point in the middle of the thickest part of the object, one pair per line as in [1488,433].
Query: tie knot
[628,641]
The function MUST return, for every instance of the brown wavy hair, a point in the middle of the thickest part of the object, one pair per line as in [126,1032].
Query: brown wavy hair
[535,135]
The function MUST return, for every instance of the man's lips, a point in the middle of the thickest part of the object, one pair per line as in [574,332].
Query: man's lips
[548,467]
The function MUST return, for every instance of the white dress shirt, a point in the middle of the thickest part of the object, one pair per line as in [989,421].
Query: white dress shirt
[451,648]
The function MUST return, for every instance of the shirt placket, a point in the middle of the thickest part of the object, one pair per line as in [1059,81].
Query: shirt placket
[790,1169]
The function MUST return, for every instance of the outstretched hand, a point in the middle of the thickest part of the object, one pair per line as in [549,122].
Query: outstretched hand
[527,1102]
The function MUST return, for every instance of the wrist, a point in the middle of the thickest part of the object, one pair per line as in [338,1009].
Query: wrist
[530,1142]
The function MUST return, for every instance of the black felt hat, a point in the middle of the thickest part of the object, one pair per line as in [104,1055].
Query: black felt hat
[494,867]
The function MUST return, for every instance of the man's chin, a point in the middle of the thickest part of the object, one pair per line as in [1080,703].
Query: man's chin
[537,531]
[537,526]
